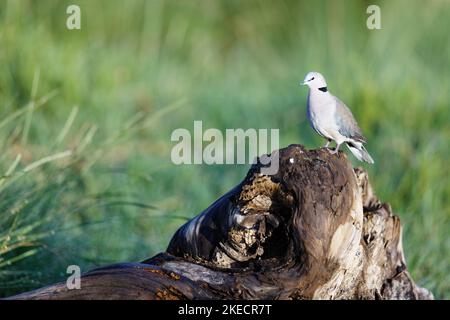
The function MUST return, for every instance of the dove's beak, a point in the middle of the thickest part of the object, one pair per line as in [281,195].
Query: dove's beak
[302,83]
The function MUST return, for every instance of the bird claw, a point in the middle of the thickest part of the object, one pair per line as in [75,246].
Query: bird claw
[336,150]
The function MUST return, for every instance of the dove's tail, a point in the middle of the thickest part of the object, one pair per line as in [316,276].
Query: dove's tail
[358,150]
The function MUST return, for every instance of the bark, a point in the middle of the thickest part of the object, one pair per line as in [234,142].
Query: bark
[314,230]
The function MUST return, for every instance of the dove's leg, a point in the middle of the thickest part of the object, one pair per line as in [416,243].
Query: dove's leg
[328,143]
[336,150]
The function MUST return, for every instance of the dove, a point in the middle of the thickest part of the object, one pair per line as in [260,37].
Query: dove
[332,119]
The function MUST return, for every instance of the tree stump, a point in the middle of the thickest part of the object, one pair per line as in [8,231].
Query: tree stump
[314,230]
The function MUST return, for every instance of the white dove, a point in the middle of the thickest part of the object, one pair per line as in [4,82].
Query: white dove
[332,119]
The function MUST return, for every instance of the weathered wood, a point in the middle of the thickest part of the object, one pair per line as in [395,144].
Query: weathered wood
[314,230]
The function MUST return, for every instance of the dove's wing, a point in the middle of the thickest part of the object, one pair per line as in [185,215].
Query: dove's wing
[346,123]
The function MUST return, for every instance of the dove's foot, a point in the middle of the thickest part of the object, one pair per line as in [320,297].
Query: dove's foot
[336,150]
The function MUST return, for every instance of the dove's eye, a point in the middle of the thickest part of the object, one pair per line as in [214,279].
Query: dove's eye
[311,79]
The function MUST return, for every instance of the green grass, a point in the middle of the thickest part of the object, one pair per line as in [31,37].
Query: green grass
[114,91]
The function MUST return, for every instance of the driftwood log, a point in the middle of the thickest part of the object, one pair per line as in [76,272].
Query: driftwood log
[314,230]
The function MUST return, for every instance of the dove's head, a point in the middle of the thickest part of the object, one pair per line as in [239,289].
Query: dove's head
[314,80]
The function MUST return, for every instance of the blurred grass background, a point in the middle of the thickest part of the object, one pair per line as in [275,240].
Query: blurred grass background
[86,118]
